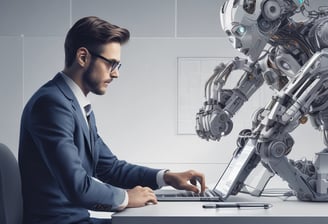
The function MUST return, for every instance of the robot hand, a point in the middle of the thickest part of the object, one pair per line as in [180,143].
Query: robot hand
[212,122]
[214,119]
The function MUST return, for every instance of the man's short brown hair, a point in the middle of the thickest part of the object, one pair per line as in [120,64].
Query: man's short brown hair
[92,33]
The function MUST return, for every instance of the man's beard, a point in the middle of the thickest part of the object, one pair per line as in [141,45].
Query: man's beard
[90,82]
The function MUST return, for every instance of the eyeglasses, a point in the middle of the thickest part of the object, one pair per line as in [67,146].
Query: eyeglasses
[113,64]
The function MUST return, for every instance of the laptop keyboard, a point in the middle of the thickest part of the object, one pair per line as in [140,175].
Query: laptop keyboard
[206,193]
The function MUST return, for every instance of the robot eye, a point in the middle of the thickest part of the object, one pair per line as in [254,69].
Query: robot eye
[240,30]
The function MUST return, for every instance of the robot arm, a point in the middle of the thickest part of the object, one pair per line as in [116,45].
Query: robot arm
[214,120]
[296,99]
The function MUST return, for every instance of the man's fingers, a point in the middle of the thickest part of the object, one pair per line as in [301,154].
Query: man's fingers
[152,200]
[186,180]
[141,196]
[190,187]
[193,181]
[198,177]
[150,195]
[202,184]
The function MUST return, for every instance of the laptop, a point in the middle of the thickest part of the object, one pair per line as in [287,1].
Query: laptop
[244,160]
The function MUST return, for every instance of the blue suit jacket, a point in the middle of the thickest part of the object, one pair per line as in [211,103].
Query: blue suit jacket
[58,159]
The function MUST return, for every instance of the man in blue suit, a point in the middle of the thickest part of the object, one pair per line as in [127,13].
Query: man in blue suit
[66,167]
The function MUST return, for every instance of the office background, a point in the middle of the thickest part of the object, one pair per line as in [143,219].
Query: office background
[143,115]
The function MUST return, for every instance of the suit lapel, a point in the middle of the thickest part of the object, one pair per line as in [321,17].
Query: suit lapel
[60,82]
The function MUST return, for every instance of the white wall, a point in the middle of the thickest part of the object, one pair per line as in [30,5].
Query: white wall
[138,116]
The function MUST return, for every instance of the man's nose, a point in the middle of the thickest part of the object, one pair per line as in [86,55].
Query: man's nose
[114,74]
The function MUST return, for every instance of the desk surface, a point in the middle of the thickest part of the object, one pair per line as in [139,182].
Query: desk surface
[283,211]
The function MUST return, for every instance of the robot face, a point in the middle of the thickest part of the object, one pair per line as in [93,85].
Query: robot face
[239,20]
[249,24]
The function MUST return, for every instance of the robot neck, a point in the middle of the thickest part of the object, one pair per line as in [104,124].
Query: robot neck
[293,38]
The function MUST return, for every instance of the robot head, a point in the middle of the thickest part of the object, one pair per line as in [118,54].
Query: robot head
[250,23]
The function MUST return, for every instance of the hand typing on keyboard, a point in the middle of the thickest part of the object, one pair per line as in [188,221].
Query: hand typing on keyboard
[186,180]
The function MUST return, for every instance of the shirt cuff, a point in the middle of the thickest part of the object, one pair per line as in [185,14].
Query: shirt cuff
[160,178]
[124,203]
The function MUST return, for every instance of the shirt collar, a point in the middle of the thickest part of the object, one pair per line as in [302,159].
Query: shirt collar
[77,91]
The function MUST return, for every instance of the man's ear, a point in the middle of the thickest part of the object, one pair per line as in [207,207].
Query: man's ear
[82,56]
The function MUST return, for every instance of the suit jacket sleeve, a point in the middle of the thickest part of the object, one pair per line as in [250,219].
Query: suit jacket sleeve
[120,173]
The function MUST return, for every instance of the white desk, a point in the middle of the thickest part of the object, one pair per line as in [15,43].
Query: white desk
[291,211]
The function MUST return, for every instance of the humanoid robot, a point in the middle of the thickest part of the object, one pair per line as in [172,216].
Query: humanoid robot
[292,58]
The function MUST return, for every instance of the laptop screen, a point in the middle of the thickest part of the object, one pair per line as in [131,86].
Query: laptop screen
[237,171]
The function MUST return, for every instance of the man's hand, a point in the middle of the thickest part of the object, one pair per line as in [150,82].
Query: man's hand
[141,196]
[186,180]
